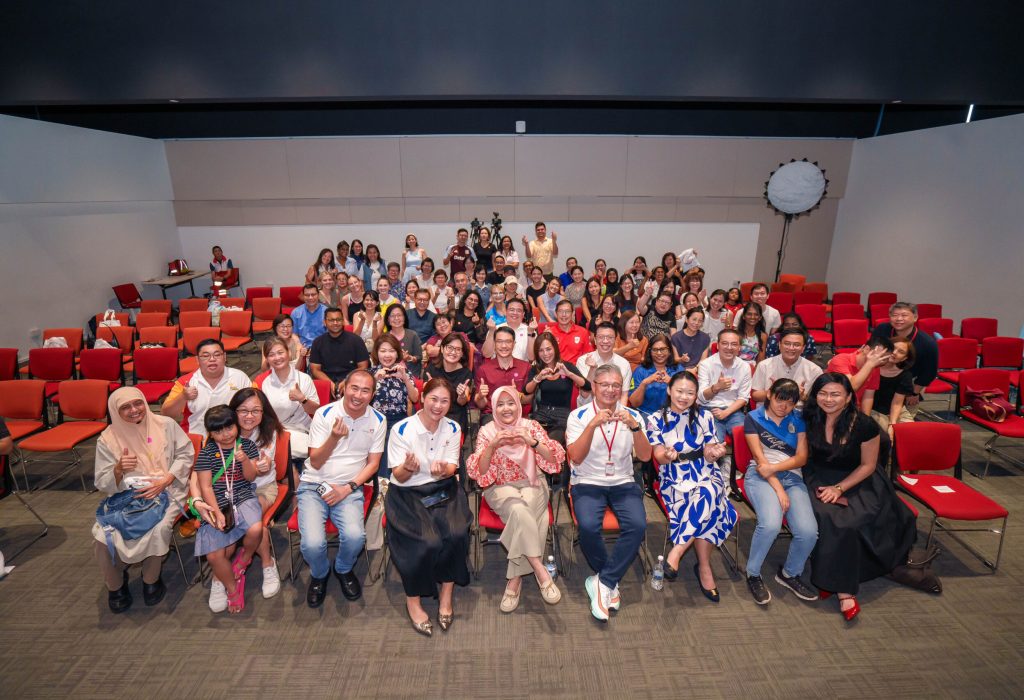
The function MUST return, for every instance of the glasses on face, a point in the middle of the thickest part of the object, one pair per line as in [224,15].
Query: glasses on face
[659,349]
[250,411]
[210,356]
[454,349]
[617,386]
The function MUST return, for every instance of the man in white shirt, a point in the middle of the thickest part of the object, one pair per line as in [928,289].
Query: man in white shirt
[346,441]
[601,439]
[542,251]
[772,318]
[213,384]
[604,339]
[724,382]
[526,333]
[788,364]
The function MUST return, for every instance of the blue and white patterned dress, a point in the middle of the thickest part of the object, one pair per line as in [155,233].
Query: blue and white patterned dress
[693,491]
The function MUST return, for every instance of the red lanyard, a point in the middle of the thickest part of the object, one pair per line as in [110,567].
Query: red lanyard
[610,443]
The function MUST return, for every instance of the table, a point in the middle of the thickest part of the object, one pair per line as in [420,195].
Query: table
[169,281]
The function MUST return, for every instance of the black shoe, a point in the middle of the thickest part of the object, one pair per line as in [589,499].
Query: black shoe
[800,589]
[350,587]
[317,591]
[153,593]
[670,573]
[121,599]
[762,596]
[710,594]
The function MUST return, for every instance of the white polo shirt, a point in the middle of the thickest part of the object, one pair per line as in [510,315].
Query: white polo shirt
[365,437]
[711,369]
[592,469]
[291,413]
[233,381]
[803,372]
[410,435]
[620,362]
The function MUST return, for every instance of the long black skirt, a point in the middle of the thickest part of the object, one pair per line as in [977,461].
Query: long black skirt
[428,545]
[862,541]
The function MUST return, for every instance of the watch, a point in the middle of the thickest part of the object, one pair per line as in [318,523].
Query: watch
[353,485]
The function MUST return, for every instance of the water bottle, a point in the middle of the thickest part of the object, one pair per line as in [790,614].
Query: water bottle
[658,575]
[550,566]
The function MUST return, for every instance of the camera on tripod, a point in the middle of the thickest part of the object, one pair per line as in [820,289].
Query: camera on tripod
[475,225]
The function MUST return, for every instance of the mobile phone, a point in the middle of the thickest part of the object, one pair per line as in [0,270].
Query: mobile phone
[434,499]
[323,489]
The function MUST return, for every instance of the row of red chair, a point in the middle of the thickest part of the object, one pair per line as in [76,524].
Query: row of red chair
[129,297]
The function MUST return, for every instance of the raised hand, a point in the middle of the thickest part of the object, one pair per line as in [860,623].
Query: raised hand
[295,393]
[129,461]
[339,429]
[484,390]
[191,393]
[410,463]
[525,242]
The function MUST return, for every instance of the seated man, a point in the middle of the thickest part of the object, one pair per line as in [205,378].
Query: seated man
[337,352]
[421,318]
[772,318]
[601,439]
[213,384]
[573,341]
[308,319]
[515,311]
[903,324]
[724,382]
[604,337]
[788,364]
[862,369]
[501,370]
[565,279]
[346,440]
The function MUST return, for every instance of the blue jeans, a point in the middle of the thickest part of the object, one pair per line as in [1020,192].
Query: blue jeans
[627,502]
[799,518]
[724,427]
[347,516]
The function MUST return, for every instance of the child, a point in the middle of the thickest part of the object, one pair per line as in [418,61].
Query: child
[226,468]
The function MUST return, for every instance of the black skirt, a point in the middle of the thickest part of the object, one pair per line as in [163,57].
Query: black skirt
[428,545]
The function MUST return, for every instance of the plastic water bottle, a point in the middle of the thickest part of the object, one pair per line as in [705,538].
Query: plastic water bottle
[550,566]
[658,575]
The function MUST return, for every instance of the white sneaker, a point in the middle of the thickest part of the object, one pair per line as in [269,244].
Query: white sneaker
[271,580]
[606,595]
[615,602]
[218,596]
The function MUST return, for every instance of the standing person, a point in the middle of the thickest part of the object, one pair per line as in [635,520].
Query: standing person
[772,319]
[536,289]
[357,259]
[604,354]
[213,384]
[573,341]
[691,484]
[864,530]
[374,268]
[601,439]
[346,441]
[903,324]
[395,389]
[511,453]
[501,370]
[690,344]
[484,250]
[542,251]
[459,252]
[421,318]
[412,258]
[509,255]
[428,514]
[308,319]
[154,451]
[631,345]
[337,352]
[789,365]
[777,438]
[324,263]
[291,394]
[725,388]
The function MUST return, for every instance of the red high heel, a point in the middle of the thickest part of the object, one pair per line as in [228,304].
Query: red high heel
[824,595]
[850,613]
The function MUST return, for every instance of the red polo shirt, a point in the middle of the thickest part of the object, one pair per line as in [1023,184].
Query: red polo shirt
[572,344]
[490,372]
[846,363]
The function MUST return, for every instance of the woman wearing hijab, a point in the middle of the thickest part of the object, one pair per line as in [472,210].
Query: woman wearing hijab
[149,454]
[511,451]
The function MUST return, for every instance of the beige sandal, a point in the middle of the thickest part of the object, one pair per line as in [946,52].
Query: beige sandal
[550,593]
[510,600]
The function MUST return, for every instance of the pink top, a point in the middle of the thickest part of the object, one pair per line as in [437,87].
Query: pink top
[504,470]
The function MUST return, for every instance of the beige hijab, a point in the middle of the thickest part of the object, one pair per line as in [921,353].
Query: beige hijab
[520,454]
[146,440]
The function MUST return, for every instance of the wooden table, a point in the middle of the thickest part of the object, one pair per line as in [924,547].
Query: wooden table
[169,281]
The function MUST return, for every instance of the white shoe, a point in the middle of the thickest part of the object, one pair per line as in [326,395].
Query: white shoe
[615,602]
[218,596]
[606,596]
[271,580]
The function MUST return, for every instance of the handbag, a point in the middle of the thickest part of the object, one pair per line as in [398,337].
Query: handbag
[917,572]
[110,319]
[989,404]
[129,514]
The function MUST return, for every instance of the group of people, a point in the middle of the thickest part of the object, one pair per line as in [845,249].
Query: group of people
[580,383]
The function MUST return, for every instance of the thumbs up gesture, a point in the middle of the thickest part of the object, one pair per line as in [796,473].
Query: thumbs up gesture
[295,393]
[483,390]
[524,240]
[191,393]
[129,462]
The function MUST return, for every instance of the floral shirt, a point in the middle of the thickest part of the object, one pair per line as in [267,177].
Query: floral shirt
[503,470]
[391,397]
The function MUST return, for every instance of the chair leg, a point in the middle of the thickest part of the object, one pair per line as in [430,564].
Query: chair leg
[39,536]
[291,555]
[176,545]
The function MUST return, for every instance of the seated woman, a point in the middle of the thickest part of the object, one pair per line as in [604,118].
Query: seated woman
[496,309]
[367,321]
[283,328]
[690,482]
[693,282]
[607,313]
[324,263]
[428,514]
[396,322]
[626,296]
[151,455]
[650,380]
[630,344]
[864,530]
[657,312]
[451,365]
[575,290]
[469,318]
[550,384]
[611,282]
[291,393]
[718,317]
[425,278]
[592,300]
[753,338]
[544,309]
[225,470]
[481,286]
[895,384]
[395,387]
[791,321]
[775,487]
[330,295]
[510,453]
[259,422]
[690,345]
[441,293]
[411,287]
[384,295]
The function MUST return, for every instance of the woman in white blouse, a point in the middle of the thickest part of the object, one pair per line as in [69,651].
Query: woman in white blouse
[428,516]
[291,393]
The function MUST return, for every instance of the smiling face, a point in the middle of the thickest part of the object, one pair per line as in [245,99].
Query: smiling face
[396,319]
[470,304]
[791,347]
[326,282]
[250,414]
[902,319]
[554,287]
[633,326]
[387,354]
[453,352]
[211,360]
[506,411]
[410,290]
[660,352]
[608,306]
[546,351]
[563,314]
[132,411]
[594,288]
[514,313]
[278,357]
[607,388]
[577,275]
[411,242]
[369,303]
[682,394]
[626,285]
[504,343]
[326,258]
[728,346]
[284,329]
[311,297]
[599,267]
[436,403]
[383,287]
[899,352]
[832,398]
[694,321]
[604,339]
[759,296]
[716,301]
[663,304]
[357,393]
[335,323]
[427,268]
[751,316]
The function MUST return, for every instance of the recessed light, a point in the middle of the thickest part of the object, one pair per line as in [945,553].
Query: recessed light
[897,102]
[173,102]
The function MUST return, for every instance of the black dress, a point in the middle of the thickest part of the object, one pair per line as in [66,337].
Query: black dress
[869,537]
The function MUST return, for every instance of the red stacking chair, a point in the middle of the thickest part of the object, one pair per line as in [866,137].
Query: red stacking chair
[369,498]
[157,305]
[128,296]
[282,474]
[323,391]
[929,311]
[21,405]
[8,363]
[151,319]
[194,319]
[1012,427]
[781,301]
[935,447]
[74,336]
[806,297]
[609,526]
[264,311]
[103,363]
[849,335]
[817,287]
[1004,353]
[956,355]
[155,372]
[879,314]
[887,298]
[846,312]
[745,289]
[54,365]
[291,298]
[233,280]
[121,337]
[942,326]
[846,298]
[781,286]
[257,293]
[192,304]
[232,302]
[236,327]
[165,335]
[795,280]
[84,400]
[979,328]
[190,338]
[488,524]
[813,316]
[124,318]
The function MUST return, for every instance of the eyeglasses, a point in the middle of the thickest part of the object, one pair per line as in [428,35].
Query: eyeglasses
[210,356]
[452,348]
[609,385]
[250,411]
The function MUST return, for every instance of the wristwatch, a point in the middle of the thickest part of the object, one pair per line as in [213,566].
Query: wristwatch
[353,485]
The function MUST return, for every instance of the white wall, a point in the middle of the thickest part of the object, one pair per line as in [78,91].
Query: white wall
[938,216]
[80,211]
[280,255]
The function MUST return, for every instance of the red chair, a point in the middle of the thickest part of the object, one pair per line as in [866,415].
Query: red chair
[124,318]
[846,312]
[488,523]
[53,365]
[816,287]
[979,328]
[264,311]
[745,289]
[21,405]
[781,286]
[291,298]
[929,311]
[934,447]
[194,319]
[231,281]
[1012,427]
[163,335]
[155,372]
[236,327]
[879,314]
[1004,353]
[956,355]
[942,326]
[369,498]
[121,337]
[190,339]
[323,391]
[8,363]
[157,306]
[781,301]
[849,335]
[232,302]
[74,337]
[192,304]
[887,298]
[128,295]
[797,281]
[813,316]
[257,293]
[150,319]
[84,400]
[282,474]
[805,297]
[104,364]
[846,298]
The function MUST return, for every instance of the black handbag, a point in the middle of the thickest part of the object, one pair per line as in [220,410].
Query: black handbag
[917,572]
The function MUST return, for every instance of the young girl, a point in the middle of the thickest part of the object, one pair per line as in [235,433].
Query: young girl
[734,300]
[367,319]
[225,469]
[752,335]
[395,388]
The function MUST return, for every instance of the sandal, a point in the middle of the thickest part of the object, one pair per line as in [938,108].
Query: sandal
[550,593]
[237,567]
[236,601]
[510,600]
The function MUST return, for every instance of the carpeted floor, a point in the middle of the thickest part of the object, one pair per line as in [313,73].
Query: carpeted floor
[58,638]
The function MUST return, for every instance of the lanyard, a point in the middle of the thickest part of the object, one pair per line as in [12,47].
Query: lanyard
[610,443]
[228,477]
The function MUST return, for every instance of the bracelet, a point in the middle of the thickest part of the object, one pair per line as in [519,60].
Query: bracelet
[838,487]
